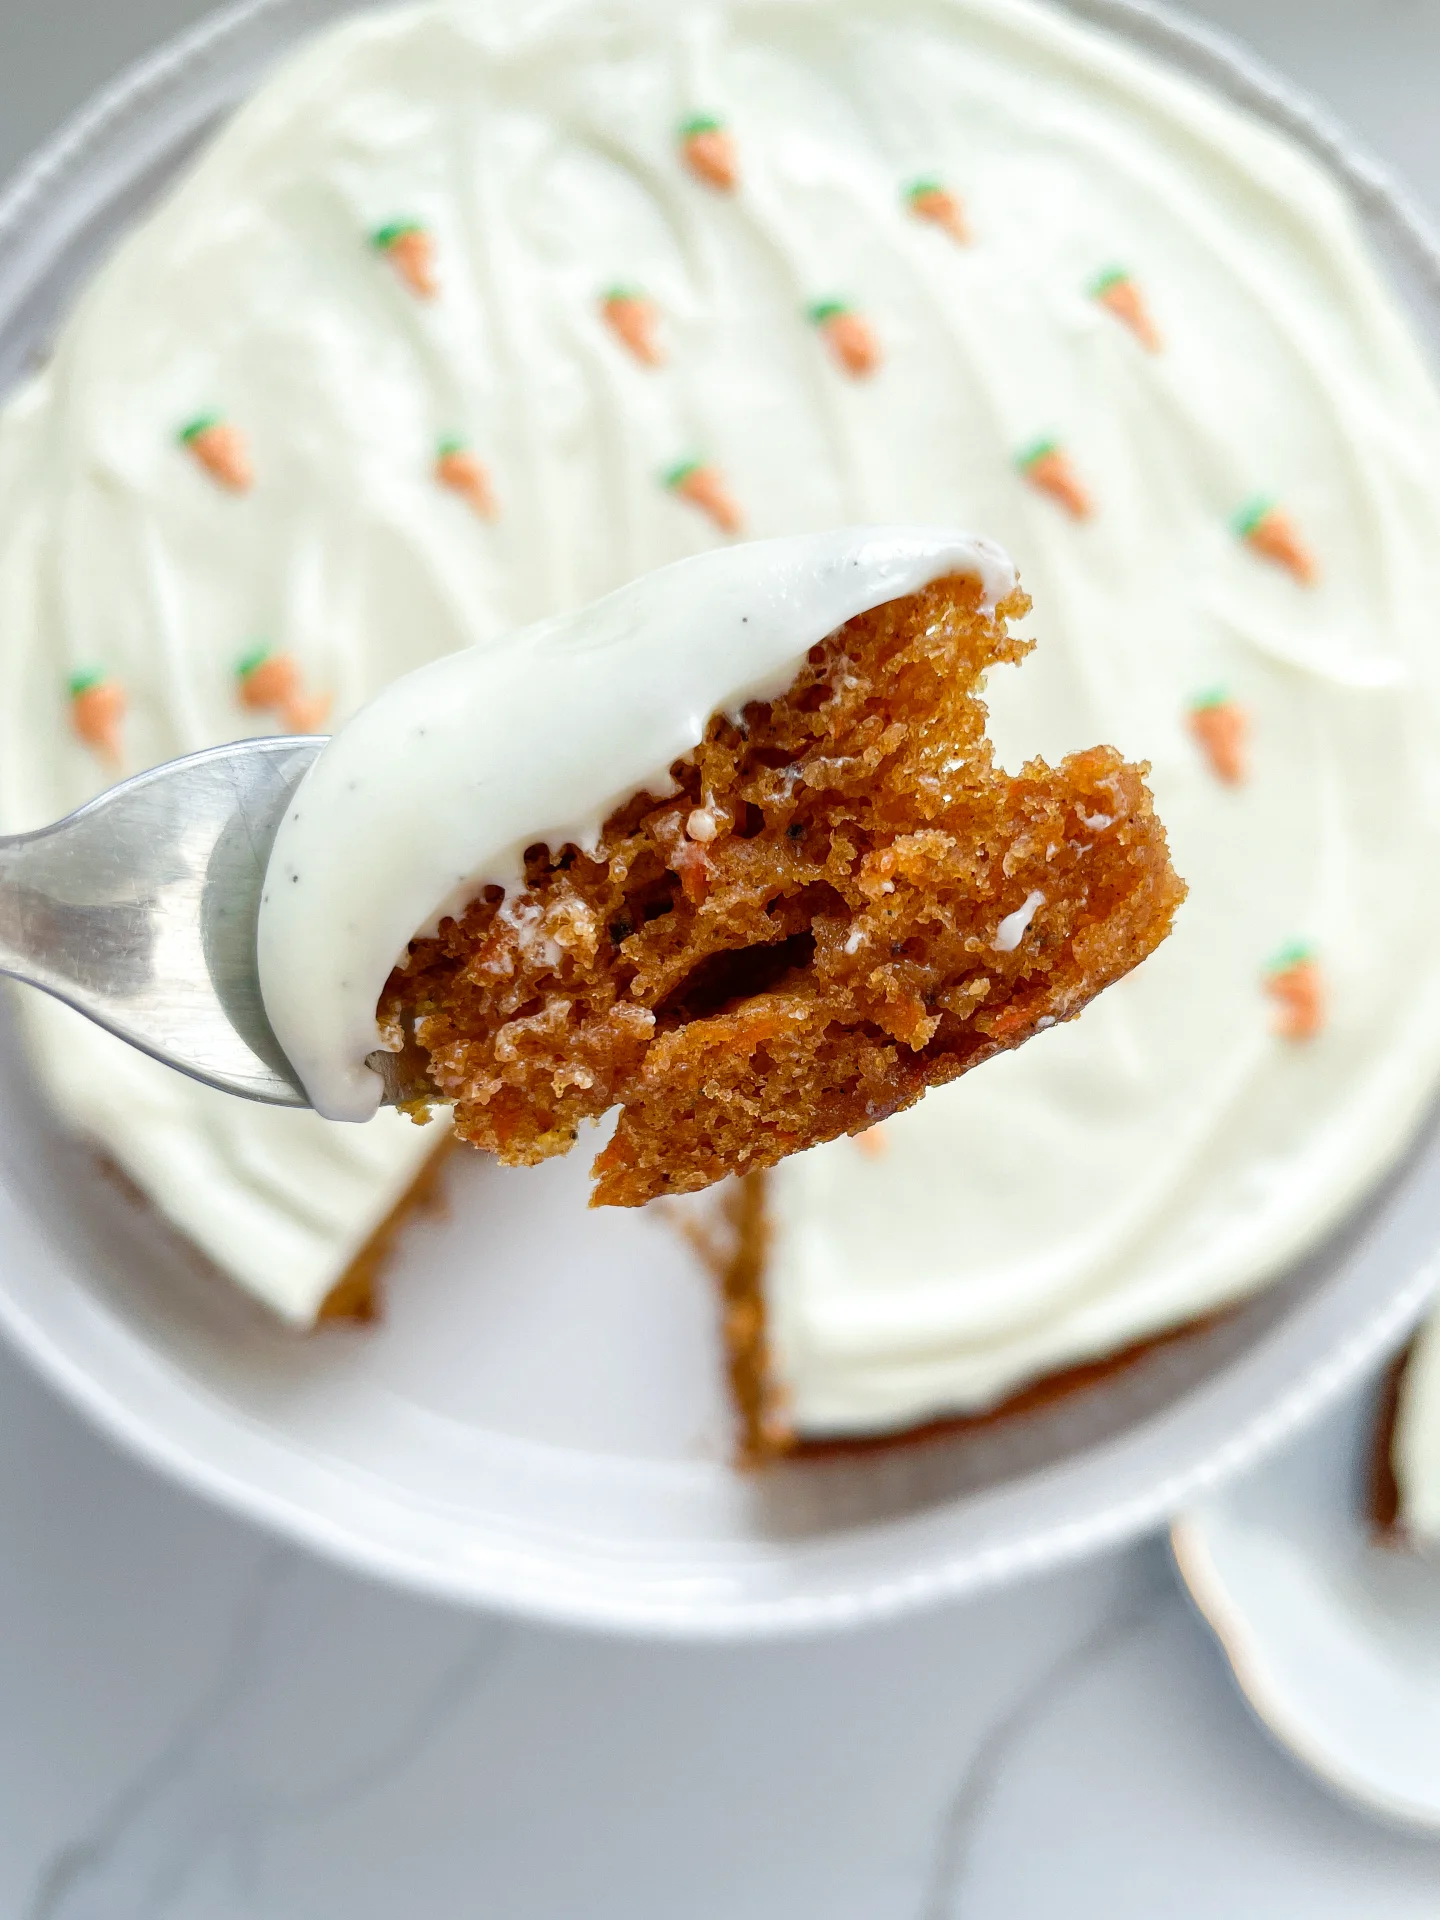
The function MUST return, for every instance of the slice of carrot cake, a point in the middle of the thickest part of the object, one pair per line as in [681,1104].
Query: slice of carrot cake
[795,915]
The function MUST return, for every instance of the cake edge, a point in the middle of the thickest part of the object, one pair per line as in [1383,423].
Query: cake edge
[355,1296]
[1382,1485]
[766,1436]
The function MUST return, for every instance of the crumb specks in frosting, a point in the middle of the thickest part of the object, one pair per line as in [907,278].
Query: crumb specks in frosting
[97,709]
[1117,292]
[1222,728]
[271,683]
[1294,982]
[1048,467]
[1268,530]
[633,317]
[929,200]
[849,336]
[456,467]
[708,148]
[704,487]
[219,447]
[410,248]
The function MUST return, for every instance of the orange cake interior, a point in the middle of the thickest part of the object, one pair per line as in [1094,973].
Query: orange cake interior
[844,902]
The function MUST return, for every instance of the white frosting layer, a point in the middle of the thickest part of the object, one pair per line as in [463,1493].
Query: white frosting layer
[437,787]
[98,565]
[1168,1152]
[1162,1155]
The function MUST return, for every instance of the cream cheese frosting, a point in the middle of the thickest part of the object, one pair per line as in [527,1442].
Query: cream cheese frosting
[477,312]
[436,788]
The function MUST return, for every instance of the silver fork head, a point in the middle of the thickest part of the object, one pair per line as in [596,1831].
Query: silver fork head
[139,909]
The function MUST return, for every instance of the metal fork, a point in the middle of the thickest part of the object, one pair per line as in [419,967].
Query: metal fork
[139,909]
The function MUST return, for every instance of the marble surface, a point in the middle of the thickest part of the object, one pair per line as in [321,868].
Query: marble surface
[198,1724]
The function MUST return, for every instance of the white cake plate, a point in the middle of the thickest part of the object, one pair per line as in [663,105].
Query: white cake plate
[539,1422]
[1334,1637]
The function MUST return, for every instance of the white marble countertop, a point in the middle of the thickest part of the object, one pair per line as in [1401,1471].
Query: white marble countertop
[198,1724]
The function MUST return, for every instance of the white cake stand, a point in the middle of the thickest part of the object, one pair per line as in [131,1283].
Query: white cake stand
[539,1425]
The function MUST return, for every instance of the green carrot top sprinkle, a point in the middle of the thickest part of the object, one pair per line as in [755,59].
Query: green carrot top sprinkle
[615,294]
[701,123]
[677,475]
[193,429]
[82,682]
[1111,277]
[1037,450]
[1294,953]
[247,664]
[1210,697]
[1251,514]
[819,311]
[394,230]
[450,445]
[919,189]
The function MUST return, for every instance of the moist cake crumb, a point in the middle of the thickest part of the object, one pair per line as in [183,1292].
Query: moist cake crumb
[845,901]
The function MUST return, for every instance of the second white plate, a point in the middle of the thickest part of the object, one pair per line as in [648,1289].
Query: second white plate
[1334,1638]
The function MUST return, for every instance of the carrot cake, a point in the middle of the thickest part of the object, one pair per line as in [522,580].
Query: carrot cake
[728,849]
[476,312]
